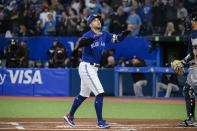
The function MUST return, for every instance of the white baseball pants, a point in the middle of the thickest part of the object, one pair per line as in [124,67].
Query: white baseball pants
[89,80]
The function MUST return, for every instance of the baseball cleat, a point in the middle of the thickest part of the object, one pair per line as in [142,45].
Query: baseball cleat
[69,120]
[103,124]
[188,122]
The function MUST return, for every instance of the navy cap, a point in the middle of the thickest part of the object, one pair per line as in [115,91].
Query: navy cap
[92,17]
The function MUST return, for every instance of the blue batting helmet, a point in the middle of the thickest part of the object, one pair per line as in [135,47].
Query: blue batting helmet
[92,17]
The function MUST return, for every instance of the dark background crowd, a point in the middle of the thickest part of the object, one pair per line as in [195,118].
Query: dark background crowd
[20,18]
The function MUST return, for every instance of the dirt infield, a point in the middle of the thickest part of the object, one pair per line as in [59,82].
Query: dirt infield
[36,124]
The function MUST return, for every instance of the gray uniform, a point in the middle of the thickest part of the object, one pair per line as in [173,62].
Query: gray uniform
[192,76]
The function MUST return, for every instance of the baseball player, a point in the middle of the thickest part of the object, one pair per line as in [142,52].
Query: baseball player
[191,83]
[93,43]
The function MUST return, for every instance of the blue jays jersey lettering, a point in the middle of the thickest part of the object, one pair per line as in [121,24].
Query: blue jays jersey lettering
[93,52]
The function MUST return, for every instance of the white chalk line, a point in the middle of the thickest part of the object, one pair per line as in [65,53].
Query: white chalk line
[20,127]
[10,123]
[16,124]
[88,126]
[132,127]
[7,128]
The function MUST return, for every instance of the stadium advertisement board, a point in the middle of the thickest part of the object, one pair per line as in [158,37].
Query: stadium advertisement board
[34,82]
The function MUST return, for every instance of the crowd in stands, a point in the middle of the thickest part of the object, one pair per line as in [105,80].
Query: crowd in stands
[19,18]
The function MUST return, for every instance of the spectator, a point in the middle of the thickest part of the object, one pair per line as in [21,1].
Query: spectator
[52,49]
[122,62]
[71,23]
[181,11]
[24,63]
[110,62]
[137,5]
[14,20]
[158,18]
[55,4]
[44,14]
[181,29]
[11,4]
[3,22]
[126,6]
[106,22]
[76,5]
[115,4]
[138,78]
[50,26]
[147,18]
[33,14]
[93,5]
[170,11]
[82,25]
[105,56]
[60,58]
[62,24]
[37,29]
[22,31]
[58,54]
[13,54]
[105,8]
[8,34]
[169,84]
[119,20]
[134,23]
[170,31]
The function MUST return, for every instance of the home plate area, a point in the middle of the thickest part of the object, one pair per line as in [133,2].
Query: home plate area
[47,124]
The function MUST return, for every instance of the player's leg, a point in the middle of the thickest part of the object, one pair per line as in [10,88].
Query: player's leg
[138,87]
[93,83]
[171,87]
[135,89]
[142,84]
[84,93]
[91,80]
[189,95]
[160,86]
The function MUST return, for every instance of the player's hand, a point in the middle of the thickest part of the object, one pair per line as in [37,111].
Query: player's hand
[125,33]
[97,36]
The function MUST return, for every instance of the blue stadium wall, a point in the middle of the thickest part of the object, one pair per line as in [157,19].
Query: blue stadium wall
[66,82]
[58,82]
[131,46]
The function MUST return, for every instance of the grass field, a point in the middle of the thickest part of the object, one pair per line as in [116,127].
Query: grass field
[119,110]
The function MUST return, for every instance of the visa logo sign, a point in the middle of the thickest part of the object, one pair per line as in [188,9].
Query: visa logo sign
[22,77]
